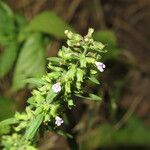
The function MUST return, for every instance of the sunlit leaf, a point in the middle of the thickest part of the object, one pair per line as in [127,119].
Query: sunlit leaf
[33,127]
[8,121]
[50,96]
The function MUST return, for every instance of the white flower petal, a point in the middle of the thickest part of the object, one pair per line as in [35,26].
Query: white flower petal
[56,87]
[58,121]
[100,66]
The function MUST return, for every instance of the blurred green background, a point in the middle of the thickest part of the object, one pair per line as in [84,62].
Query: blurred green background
[32,30]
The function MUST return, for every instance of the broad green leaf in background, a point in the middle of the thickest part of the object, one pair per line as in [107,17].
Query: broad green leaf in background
[6,22]
[7,58]
[31,61]
[108,38]
[48,22]
[7,108]
[10,26]
[7,36]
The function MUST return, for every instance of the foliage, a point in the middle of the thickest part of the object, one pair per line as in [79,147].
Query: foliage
[109,39]
[31,61]
[9,42]
[22,40]
[74,65]
[7,108]
[48,22]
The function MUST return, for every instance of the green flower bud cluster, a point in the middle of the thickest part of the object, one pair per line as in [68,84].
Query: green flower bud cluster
[13,142]
[75,64]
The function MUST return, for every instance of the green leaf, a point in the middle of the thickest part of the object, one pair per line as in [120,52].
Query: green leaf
[5,125]
[33,127]
[80,74]
[93,79]
[10,25]
[71,72]
[6,20]
[7,58]
[35,81]
[94,97]
[107,37]
[70,103]
[50,96]
[68,87]
[63,133]
[48,22]
[7,39]
[31,61]
[56,60]
[91,97]
[7,108]
[8,122]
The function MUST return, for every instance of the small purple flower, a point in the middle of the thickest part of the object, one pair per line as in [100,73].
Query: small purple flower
[58,121]
[100,66]
[56,87]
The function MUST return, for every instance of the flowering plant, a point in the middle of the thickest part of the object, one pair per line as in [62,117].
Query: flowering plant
[67,73]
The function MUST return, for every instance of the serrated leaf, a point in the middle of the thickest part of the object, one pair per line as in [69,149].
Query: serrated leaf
[48,22]
[33,127]
[31,61]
